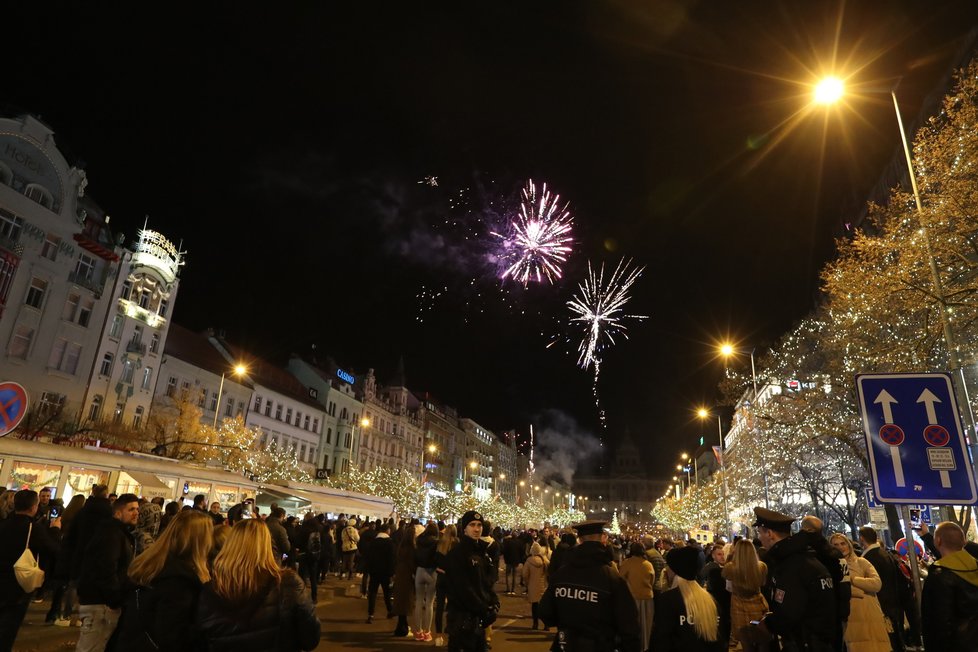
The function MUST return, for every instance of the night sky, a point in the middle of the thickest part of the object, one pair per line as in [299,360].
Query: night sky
[285,148]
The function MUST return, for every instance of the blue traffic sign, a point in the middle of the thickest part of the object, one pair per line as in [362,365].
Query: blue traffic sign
[13,406]
[917,451]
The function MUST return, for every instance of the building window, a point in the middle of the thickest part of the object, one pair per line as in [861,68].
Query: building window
[268,409]
[213,406]
[162,311]
[154,344]
[258,404]
[306,426]
[298,418]
[85,268]
[288,416]
[347,440]
[137,335]
[126,290]
[137,418]
[202,398]
[10,226]
[171,387]
[35,294]
[229,408]
[85,311]
[117,415]
[105,369]
[95,409]
[329,435]
[147,377]
[39,194]
[64,356]
[71,307]
[302,453]
[145,296]
[50,248]
[128,368]
[116,329]
[315,426]
[326,461]
[278,412]
[50,404]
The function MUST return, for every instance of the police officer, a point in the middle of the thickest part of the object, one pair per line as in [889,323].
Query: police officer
[472,602]
[802,600]
[588,601]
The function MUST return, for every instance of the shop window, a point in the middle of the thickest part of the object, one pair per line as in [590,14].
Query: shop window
[81,481]
[33,475]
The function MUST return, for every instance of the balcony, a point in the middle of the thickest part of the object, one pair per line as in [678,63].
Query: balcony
[135,346]
[134,310]
[86,281]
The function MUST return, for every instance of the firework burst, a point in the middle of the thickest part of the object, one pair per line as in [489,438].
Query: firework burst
[539,240]
[598,308]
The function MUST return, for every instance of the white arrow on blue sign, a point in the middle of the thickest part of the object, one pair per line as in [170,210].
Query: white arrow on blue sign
[917,450]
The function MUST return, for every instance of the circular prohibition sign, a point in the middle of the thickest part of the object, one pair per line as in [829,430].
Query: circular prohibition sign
[892,434]
[13,406]
[936,435]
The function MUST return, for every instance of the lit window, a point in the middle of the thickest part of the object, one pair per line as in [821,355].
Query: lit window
[119,409]
[147,377]
[128,368]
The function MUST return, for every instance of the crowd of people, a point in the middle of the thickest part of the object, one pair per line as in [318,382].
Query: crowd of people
[124,570]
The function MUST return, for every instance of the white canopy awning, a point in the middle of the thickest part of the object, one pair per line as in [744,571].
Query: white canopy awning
[151,486]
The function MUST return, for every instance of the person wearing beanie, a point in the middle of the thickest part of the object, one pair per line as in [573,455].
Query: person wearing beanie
[469,576]
[535,578]
[588,601]
[686,616]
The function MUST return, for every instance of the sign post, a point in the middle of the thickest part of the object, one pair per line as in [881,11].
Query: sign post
[912,555]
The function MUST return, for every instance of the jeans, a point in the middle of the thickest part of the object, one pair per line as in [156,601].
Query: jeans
[98,622]
[11,617]
[348,556]
[441,595]
[424,598]
[382,582]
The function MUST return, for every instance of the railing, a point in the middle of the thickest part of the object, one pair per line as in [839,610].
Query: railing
[87,282]
[135,346]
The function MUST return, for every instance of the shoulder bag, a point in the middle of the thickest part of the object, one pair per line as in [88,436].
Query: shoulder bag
[29,575]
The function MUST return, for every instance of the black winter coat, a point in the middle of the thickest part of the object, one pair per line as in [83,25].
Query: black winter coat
[513,551]
[105,564]
[590,604]
[13,536]
[278,619]
[469,578]
[83,528]
[424,551]
[673,632]
[379,557]
[161,616]
[949,610]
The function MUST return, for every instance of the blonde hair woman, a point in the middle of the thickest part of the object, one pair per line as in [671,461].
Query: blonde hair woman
[865,631]
[745,575]
[686,617]
[168,578]
[251,603]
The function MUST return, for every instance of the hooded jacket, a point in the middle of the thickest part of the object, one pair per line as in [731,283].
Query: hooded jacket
[949,610]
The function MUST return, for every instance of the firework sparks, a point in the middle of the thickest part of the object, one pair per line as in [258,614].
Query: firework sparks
[598,307]
[540,238]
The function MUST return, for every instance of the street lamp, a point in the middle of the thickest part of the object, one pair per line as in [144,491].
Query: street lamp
[431,448]
[239,371]
[727,350]
[500,478]
[467,472]
[703,413]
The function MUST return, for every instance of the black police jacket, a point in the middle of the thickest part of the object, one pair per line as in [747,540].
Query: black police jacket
[672,630]
[590,604]
[802,595]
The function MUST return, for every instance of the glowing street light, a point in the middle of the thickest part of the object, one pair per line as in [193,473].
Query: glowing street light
[829,90]
[703,413]
[239,371]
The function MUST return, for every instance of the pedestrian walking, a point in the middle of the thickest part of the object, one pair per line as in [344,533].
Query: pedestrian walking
[380,565]
[309,549]
[349,538]
[104,574]
[167,579]
[404,579]
[425,580]
[639,573]
[251,603]
[686,617]
[535,579]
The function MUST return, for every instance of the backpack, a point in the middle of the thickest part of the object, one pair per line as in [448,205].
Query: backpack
[315,545]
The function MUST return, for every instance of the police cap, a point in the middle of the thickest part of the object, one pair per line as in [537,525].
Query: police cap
[772,520]
[590,527]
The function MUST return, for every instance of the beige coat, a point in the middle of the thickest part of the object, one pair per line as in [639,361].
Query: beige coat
[535,577]
[640,575]
[865,630]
